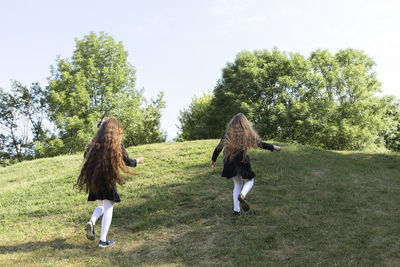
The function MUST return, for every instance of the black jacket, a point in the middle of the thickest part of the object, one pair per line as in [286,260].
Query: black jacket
[236,167]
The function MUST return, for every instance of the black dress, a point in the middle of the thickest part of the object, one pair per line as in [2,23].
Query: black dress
[111,194]
[236,167]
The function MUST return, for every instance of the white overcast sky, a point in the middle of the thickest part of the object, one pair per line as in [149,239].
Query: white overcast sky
[180,47]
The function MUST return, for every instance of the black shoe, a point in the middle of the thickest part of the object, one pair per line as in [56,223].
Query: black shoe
[104,244]
[236,213]
[90,230]
[243,203]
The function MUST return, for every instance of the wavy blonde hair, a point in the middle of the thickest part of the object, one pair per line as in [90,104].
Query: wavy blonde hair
[103,161]
[239,137]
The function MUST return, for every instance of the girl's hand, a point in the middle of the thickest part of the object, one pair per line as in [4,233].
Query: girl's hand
[277,148]
[140,160]
[212,165]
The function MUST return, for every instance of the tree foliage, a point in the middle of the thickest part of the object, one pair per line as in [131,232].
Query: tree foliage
[193,124]
[325,100]
[391,109]
[17,120]
[32,101]
[97,82]
[141,120]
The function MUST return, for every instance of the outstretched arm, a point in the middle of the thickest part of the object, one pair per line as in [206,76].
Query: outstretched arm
[217,151]
[130,162]
[268,146]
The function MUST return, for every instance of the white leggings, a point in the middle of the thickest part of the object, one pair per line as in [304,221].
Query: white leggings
[104,207]
[239,188]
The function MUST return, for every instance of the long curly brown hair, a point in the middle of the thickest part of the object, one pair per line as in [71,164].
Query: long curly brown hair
[239,137]
[104,159]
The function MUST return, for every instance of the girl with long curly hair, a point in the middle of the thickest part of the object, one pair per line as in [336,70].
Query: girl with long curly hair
[103,159]
[239,136]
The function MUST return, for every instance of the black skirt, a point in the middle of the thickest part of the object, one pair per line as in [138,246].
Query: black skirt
[111,195]
[238,168]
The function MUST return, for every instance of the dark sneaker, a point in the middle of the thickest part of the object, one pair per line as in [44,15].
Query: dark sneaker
[90,230]
[243,203]
[236,213]
[104,244]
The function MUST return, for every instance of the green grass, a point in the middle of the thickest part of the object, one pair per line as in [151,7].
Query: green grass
[308,207]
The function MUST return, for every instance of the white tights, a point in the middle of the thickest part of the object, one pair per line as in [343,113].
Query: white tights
[104,207]
[239,188]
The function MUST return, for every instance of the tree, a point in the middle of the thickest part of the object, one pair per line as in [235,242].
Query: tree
[32,103]
[326,100]
[14,133]
[391,118]
[93,85]
[23,112]
[151,128]
[345,100]
[265,87]
[193,124]
[141,120]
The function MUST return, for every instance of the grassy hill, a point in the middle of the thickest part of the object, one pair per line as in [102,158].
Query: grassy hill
[308,207]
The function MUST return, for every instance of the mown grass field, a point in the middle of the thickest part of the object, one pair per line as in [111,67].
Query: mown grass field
[308,207]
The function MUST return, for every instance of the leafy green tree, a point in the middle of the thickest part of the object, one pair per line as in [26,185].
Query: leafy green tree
[34,106]
[49,146]
[265,87]
[391,118]
[359,113]
[326,100]
[141,120]
[151,126]
[23,115]
[344,102]
[193,124]
[93,85]
[32,103]
[14,130]
[320,128]
[4,155]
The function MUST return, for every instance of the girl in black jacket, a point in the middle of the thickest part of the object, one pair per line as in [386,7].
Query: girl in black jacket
[104,158]
[237,139]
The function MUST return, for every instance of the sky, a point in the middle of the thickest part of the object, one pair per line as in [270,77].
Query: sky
[181,46]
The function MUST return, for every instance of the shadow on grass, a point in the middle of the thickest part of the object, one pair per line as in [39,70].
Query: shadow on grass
[56,244]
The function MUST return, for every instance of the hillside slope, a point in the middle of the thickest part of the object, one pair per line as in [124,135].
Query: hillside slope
[308,207]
